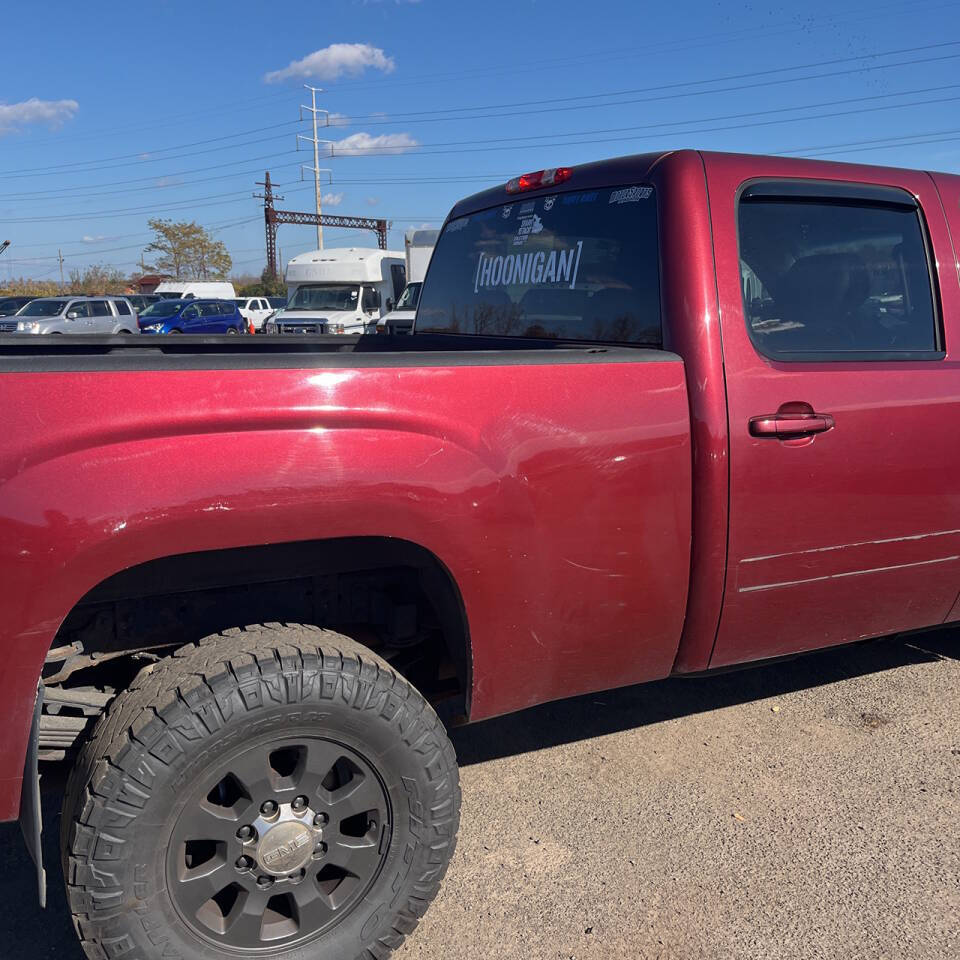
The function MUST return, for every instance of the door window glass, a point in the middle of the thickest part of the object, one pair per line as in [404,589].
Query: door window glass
[835,277]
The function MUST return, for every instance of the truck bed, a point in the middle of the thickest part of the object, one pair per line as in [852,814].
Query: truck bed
[551,481]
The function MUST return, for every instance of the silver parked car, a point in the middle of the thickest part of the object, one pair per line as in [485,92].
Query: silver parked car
[74,315]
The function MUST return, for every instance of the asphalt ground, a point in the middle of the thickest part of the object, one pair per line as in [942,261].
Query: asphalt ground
[805,809]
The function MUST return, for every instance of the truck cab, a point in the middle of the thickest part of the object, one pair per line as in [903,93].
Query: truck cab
[339,291]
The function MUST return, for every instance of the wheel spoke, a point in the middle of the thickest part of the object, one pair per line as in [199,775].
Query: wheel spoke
[361,794]
[253,773]
[197,889]
[321,756]
[314,909]
[245,920]
[203,823]
[355,855]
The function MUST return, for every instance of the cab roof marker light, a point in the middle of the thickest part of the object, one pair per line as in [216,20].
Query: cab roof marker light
[539,178]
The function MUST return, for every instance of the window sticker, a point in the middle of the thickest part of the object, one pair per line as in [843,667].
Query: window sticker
[559,266]
[570,199]
[506,212]
[548,204]
[528,208]
[630,194]
[528,225]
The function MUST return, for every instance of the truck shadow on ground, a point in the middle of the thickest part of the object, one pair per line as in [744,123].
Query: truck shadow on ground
[611,711]
[29,933]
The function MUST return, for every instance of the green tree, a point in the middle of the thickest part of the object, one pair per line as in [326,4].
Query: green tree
[186,251]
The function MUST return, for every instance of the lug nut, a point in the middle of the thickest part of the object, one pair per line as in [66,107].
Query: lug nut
[321,847]
[244,863]
[268,808]
[320,820]
[299,804]
[245,833]
[263,881]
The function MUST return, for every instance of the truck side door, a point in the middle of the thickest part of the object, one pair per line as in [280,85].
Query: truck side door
[840,349]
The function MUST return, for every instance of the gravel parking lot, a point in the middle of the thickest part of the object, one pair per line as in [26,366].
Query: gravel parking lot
[801,810]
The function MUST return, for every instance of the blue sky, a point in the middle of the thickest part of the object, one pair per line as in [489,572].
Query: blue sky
[111,113]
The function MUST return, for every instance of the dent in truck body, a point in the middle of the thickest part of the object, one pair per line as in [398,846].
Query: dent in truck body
[552,493]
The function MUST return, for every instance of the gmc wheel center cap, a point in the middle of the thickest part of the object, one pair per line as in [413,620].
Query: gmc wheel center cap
[285,848]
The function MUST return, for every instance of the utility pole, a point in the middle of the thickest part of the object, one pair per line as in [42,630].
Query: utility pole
[60,258]
[312,109]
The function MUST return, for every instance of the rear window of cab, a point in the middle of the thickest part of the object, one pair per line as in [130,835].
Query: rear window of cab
[580,265]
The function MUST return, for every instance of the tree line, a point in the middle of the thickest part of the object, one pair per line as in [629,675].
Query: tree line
[183,250]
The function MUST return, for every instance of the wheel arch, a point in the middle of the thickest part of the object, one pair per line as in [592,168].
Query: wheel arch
[233,586]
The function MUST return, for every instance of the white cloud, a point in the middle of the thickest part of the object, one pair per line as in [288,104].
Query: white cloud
[332,199]
[372,201]
[97,239]
[51,113]
[338,120]
[337,60]
[360,143]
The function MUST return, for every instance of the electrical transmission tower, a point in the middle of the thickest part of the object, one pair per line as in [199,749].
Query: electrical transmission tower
[272,218]
[315,169]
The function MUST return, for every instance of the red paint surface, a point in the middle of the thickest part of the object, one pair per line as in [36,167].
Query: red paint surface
[558,496]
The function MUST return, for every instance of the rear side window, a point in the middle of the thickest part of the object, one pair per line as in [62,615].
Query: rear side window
[836,277]
[209,310]
[100,308]
[573,266]
[226,309]
[122,308]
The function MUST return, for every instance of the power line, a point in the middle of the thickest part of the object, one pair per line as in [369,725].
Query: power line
[141,159]
[871,12]
[372,119]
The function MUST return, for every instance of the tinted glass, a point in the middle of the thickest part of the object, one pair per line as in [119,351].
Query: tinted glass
[831,277]
[209,310]
[409,297]
[577,266]
[123,307]
[163,308]
[331,296]
[371,299]
[100,308]
[43,308]
[226,309]
[80,307]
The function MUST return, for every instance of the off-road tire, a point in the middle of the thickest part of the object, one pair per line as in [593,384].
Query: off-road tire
[183,712]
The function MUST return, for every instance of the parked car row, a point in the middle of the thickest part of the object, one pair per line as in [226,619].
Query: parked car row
[120,315]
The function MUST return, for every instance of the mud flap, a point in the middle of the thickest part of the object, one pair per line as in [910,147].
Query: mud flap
[30,816]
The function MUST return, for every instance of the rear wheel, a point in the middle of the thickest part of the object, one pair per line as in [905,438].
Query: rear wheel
[232,330]
[275,791]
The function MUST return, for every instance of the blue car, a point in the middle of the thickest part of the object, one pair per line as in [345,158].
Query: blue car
[192,316]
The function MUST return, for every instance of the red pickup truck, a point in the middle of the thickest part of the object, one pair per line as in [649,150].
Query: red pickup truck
[661,415]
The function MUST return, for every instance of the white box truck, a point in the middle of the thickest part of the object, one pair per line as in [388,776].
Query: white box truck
[196,289]
[342,290]
[419,246]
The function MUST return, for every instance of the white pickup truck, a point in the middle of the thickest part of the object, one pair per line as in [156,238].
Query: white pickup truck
[254,310]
